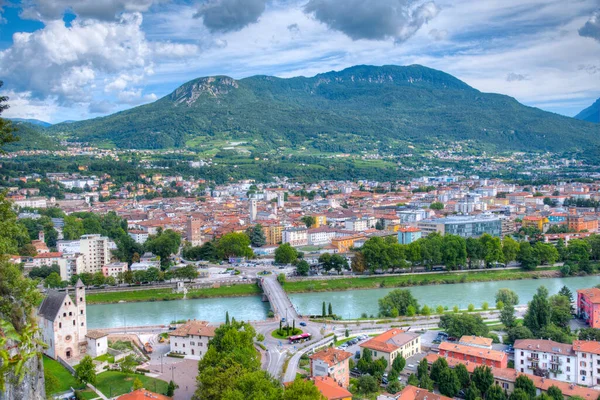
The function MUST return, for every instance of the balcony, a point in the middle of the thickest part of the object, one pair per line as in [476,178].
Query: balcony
[530,358]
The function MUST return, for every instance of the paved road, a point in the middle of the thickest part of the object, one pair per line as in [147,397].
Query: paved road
[280,302]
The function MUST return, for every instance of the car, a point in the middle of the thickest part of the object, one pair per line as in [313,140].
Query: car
[282,319]
[302,323]
[452,339]
[357,354]
[355,372]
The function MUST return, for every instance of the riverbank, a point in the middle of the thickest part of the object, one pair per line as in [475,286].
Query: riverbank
[167,294]
[406,280]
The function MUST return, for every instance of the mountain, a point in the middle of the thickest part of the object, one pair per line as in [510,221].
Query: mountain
[32,137]
[360,108]
[43,124]
[591,114]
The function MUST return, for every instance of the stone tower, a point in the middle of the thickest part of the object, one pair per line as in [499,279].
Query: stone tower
[81,309]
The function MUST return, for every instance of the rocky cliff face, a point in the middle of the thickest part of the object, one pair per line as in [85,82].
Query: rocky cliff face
[32,385]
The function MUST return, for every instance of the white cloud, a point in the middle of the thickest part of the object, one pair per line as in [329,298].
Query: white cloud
[48,10]
[23,105]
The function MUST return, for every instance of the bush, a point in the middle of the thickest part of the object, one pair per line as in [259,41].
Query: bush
[471,307]
[494,337]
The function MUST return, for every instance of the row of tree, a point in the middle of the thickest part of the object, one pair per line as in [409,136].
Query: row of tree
[229,245]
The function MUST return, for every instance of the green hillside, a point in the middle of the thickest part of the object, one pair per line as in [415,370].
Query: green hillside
[360,108]
[32,137]
[591,114]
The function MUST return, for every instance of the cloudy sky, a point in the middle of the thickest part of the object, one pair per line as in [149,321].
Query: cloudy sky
[75,59]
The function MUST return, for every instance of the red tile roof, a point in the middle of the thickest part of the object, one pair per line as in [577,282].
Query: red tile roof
[586,346]
[389,341]
[592,295]
[414,393]
[331,356]
[487,354]
[330,389]
[197,328]
[143,394]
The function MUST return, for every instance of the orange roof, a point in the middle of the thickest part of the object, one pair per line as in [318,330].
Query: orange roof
[331,356]
[389,341]
[586,346]
[409,229]
[487,354]
[330,389]
[414,393]
[198,328]
[475,341]
[49,255]
[143,394]
[592,295]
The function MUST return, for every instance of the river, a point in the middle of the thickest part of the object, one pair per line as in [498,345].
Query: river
[348,304]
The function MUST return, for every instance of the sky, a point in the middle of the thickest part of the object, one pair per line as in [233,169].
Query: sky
[78,59]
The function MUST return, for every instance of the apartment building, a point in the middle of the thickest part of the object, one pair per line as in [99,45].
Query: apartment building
[475,355]
[333,363]
[464,226]
[321,236]
[546,358]
[392,344]
[588,306]
[588,362]
[191,338]
[295,236]
[96,253]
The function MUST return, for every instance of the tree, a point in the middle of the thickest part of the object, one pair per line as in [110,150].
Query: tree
[473,393]
[53,280]
[475,251]
[413,380]
[463,375]
[495,393]
[458,325]
[539,312]
[399,299]
[425,310]
[437,367]
[519,394]
[164,244]
[302,268]
[426,383]
[510,249]
[394,386]
[330,310]
[376,254]
[422,369]
[367,384]
[338,263]
[527,257]
[234,245]
[302,389]
[546,253]
[589,334]
[309,221]
[6,127]
[454,251]
[492,249]
[98,279]
[436,205]
[448,382]
[518,332]
[137,384]
[578,250]
[189,272]
[524,383]
[171,389]
[323,311]
[286,254]
[482,378]
[555,393]
[85,371]
[128,364]
[565,291]
[507,316]
[358,263]
[256,235]
[399,363]
[560,310]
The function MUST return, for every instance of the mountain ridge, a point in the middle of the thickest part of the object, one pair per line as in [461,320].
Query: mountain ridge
[359,108]
[590,114]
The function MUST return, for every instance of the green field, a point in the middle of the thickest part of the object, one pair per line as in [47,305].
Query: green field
[249,289]
[64,380]
[409,280]
[114,383]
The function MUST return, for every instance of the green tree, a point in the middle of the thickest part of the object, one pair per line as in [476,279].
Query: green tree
[524,383]
[519,394]
[425,310]
[546,253]
[128,364]
[323,311]
[426,383]
[359,264]
[448,382]
[137,384]
[539,312]
[302,268]
[560,310]
[399,363]
[437,367]
[518,332]
[256,235]
[507,316]
[507,296]
[413,380]
[436,205]
[367,384]
[565,291]
[472,393]
[286,254]
[376,254]
[482,378]
[555,393]
[492,249]
[234,245]
[475,252]
[463,375]
[510,249]
[171,389]
[330,310]
[399,299]
[454,251]
[189,272]
[309,221]
[527,257]
[589,334]
[85,371]
[578,250]
[458,325]
[422,369]
[53,281]
[495,393]
[302,389]
[164,244]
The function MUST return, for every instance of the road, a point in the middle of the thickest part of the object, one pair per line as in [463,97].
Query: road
[280,302]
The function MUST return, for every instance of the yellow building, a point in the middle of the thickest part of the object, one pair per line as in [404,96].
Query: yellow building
[273,234]
[320,220]
[343,244]
[535,221]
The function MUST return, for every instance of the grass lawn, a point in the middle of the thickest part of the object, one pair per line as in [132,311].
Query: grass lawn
[167,294]
[106,357]
[276,335]
[409,280]
[64,380]
[115,383]
[88,394]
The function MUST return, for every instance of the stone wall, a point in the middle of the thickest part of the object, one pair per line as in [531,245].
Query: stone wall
[32,385]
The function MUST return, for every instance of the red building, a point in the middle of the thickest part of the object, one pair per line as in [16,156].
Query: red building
[476,355]
[588,306]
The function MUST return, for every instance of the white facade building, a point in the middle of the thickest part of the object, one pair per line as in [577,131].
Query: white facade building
[556,360]
[588,362]
[191,339]
[321,236]
[96,252]
[295,236]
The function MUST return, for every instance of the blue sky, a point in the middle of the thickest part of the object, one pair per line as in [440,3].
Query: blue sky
[76,59]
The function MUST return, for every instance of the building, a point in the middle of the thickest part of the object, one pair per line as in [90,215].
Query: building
[475,355]
[588,362]
[476,341]
[321,236]
[96,253]
[343,244]
[32,202]
[535,221]
[360,224]
[193,231]
[253,208]
[546,358]
[273,234]
[191,338]
[465,226]
[63,323]
[392,344]
[333,363]
[143,394]
[68,246]
[330,389]
[139,236]
[578,222]
[97,343]
[588,306]
[412,393]
[408,234]
[114,269]
[144,265]
[295,236]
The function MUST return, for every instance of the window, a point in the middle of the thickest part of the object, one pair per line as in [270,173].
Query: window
[568,359]
[60,324]
[521,353]
[70,314]
[74,323]
[81,324]
[583,372]
[521,362]
[568,369]
[81,312]
[64,314]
